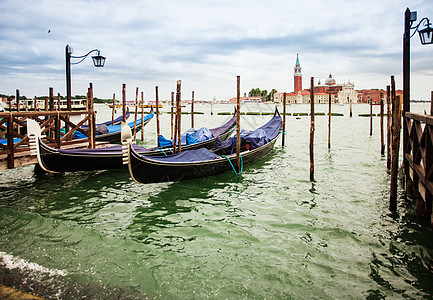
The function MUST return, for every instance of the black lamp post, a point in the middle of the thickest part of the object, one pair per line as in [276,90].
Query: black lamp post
[426,37]
[98,61]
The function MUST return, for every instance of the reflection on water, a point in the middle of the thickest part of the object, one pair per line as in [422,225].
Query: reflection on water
[271,233]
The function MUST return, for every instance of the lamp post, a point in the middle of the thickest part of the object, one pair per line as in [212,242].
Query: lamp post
[426,37]
[98,61]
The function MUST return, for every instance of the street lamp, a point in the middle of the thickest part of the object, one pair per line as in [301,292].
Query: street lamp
[425,36]
[98,61]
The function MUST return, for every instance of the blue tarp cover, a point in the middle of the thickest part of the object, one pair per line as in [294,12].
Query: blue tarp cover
[201,154]
[257,138]
[200,135]
[189,137]
[115,128]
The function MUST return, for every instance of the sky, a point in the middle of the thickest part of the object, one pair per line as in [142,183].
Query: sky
[206,44]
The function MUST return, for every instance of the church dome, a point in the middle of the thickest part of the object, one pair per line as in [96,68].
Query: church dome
[330,80]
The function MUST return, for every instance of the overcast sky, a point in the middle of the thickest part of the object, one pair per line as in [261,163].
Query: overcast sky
[206,44]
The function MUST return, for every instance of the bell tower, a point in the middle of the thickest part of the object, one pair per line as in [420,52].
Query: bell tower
[297,76]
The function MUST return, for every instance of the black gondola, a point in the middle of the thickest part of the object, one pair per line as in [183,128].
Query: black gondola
[203,162]
[70,160]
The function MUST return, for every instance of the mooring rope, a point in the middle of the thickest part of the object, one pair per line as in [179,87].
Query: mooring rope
[234,170]
[162,150]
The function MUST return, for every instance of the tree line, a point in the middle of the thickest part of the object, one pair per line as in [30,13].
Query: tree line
[263,94]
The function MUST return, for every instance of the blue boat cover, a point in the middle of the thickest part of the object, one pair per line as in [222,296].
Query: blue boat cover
[201,154]
[200,135]
[107,150]
[189,137]
[256,138]
[115,128]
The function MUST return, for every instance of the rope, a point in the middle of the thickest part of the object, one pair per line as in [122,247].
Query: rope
[162,150]
[283,132]
[234,170]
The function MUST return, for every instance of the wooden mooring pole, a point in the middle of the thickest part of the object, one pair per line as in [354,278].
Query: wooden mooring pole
[124,102]
[172,113]
[192,110]
[158,128]
[371,117]
[388,127]
[114,109]
[284,120]
[431,104]
[312,130]
[396,124]
[179,115]
[92,124]
[382,144]
[135,114]
[238,126]
[329,121]
[142,116]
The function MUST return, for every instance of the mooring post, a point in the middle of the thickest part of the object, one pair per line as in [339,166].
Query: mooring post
[382,144]
[179,120]
[17,100]
[51,95]
[431,103]
[57,122]
[58,101]
[329,121]
[114,109]
[10,140]
[192,110]
[396,124]
[284,119]
[388,127]
[312,130]
[92,124]
[238,121]
[350,113]
[158,129]
[371,116]
[51,99]
[172,113]
[124,101]
[175,123]
[142,116]
[135,114]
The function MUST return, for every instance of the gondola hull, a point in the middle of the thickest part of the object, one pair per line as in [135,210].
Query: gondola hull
[53,160]
[144,169]
[60,161]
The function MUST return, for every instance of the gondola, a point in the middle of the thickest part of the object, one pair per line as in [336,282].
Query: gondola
[203,162]
[111,133]
[69,160]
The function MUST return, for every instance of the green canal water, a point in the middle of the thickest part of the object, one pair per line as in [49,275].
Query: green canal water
[270,234]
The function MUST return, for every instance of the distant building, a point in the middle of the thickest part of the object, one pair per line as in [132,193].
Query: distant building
[297,76]
[340,93]
[365,96]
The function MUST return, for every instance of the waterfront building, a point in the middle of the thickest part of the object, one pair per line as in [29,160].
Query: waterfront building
[342,93]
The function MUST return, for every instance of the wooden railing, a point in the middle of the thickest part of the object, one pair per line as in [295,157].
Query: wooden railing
[13,128]
[418,154]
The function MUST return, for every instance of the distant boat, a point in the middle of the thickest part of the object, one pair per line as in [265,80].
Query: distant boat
[151,104]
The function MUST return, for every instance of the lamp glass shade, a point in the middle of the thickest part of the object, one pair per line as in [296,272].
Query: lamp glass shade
[426,35]
[98,60]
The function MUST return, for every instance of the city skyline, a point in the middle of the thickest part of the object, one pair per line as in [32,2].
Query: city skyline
[207,44]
